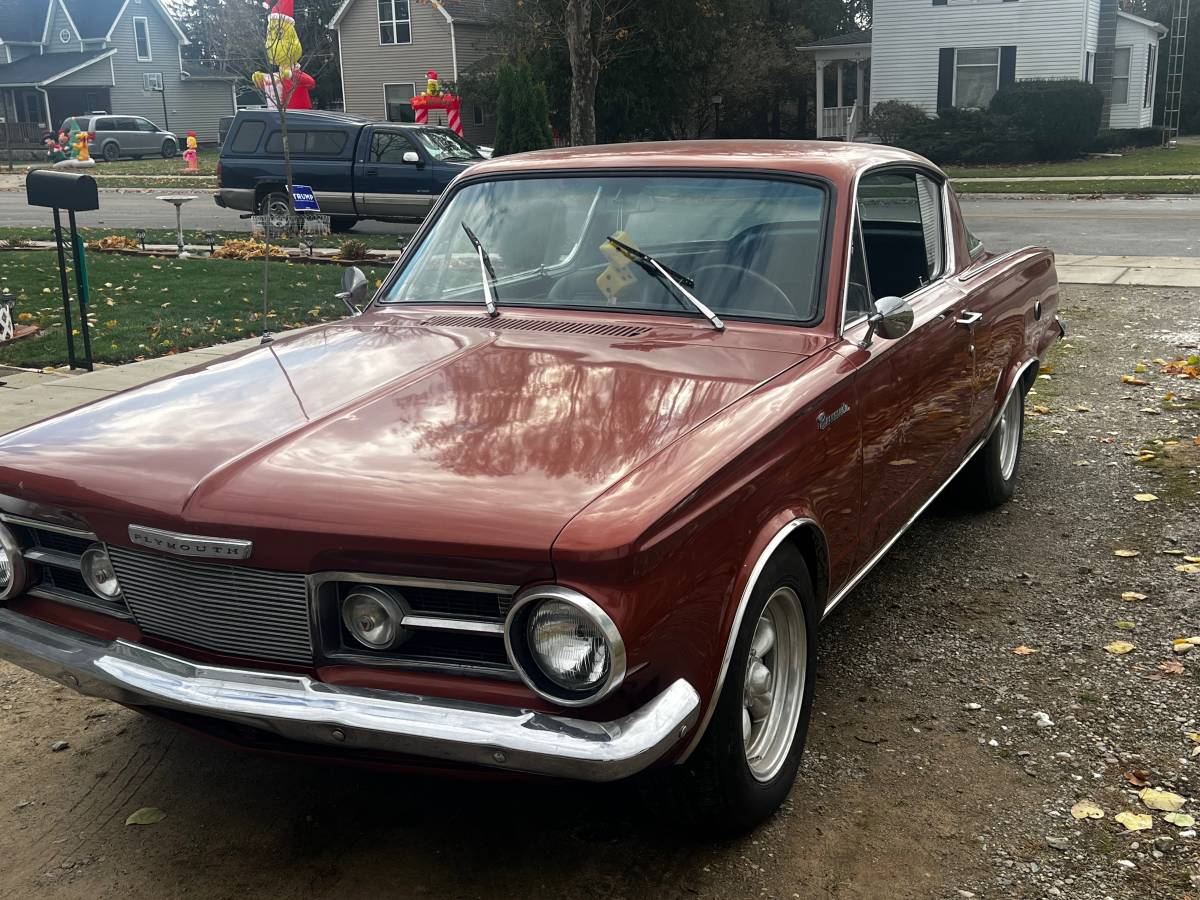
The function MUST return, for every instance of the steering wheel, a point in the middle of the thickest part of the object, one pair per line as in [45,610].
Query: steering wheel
[727,280]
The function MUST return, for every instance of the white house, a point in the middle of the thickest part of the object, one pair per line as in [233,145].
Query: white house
[942,53]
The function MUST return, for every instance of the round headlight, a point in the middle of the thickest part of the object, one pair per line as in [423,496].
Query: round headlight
[564,646]
[97,571]
[374,617]
[12,565]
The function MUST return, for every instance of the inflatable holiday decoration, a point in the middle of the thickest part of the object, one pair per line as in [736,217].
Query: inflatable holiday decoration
[189,155]
[283,44]
[433,98]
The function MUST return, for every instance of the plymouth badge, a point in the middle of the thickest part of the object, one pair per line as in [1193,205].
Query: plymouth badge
[190,544]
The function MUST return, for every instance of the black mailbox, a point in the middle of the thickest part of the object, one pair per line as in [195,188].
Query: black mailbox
[61,190]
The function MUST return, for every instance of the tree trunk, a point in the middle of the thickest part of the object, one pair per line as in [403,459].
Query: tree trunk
[585,71]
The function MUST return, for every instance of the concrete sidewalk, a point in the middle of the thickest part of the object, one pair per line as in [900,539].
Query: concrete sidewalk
[1142,271]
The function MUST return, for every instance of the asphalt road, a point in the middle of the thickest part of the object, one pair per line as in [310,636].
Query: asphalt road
[1157,226]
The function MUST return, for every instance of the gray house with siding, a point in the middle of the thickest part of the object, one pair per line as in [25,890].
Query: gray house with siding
[61,58]
[387,46]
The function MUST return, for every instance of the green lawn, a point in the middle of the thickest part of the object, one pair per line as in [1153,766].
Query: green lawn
[191,236]
[155,165]
[141,307]
[1122,186]
[1182,160]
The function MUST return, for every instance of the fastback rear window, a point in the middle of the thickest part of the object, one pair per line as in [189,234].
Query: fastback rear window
[247,137]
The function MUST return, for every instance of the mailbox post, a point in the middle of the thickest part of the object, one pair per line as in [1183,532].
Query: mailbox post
[73,192]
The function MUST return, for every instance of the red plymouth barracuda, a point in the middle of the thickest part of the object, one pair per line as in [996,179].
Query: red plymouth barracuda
[573,493]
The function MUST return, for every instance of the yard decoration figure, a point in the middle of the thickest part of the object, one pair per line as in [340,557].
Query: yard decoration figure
[283,44]
[76,155]
[434,98]
[54,150]
[189,155]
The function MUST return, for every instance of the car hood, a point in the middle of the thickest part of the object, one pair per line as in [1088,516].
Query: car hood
[382,426]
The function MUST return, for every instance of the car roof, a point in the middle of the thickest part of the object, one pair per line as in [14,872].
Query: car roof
[836,160]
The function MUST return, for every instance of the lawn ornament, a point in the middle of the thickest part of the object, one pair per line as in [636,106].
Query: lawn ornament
[434,98]
[7,329]
[54,148]
[189,155]
[283,44]
[76,155]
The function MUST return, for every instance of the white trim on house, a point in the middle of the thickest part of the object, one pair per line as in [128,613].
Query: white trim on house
[46,31]
[957,65]
[113,26]
[67,13]
[341,67]
[1128,48]
[388,84]
[137,51]
[71,71]
[1161,29]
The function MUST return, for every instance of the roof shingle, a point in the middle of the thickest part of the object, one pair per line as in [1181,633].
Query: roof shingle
[42,67]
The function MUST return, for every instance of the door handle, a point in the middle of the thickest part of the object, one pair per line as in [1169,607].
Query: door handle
[372,172]
[968,319]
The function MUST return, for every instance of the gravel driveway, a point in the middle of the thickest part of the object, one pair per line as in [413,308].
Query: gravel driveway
[941,763]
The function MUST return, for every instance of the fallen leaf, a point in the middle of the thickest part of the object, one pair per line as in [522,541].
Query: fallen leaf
[1182,820]
[1165,801]
[1193,735]
[1119,647]
[147,815]
[1189,568]
[1134,821]
[1086,809]
[1124,625]
[1140,368]
[1133,595]
[1172,667]
[1130,379]
[1145,498]
[1191,559]
[1126,554]
[1042,410]
[1023,650]
[1138,777]
[1174,552]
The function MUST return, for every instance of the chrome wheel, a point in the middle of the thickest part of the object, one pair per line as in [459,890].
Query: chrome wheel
[774,687]
[1008,433]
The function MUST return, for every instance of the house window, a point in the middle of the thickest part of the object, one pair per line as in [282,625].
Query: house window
[141,38]
[152,81]
[1120,75]
[395,102]
[976,77]
[395,27]
[1089,67]
[1151,66]
[477,116]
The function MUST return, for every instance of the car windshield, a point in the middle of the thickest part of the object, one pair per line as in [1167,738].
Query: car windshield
[746,246]
[445,145]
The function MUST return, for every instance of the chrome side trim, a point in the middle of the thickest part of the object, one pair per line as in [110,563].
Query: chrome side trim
[879,554]
[80,601]
[773,545]
[298,708]
[474,587]
[53,558]
[47,526]
[439,623]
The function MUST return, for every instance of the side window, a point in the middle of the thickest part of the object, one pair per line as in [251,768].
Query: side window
[106,125]
[146,125]
[325,143]
[858,284]
[389,147]
[247,138]
[126,123]
[902,231]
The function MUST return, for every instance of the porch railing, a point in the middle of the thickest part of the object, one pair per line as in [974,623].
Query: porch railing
[21,135]
[834,120]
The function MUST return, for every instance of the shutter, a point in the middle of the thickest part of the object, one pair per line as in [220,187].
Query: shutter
[945,95]
[1008,65]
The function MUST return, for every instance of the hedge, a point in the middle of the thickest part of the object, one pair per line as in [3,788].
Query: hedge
[968,136]
[1062,117]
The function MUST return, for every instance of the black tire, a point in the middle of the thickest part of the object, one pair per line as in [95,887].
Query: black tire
[342,224]
[111,152]
[277,206]
[169,149]
[986,481]
[715,790]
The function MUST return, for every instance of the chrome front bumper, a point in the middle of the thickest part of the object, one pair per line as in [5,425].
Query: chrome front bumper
[298,708]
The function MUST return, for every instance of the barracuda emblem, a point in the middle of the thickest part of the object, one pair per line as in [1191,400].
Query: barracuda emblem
[824,420]
[190,544]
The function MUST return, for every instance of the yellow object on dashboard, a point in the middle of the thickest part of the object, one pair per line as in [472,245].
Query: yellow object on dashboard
[617,276]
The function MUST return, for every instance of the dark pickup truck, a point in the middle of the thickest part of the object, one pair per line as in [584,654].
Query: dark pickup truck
[358,169]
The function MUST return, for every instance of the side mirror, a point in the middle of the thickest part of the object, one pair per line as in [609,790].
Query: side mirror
[412,157]
[354,290]
[893,318]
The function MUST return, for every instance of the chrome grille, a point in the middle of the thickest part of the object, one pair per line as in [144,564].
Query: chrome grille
[223,609]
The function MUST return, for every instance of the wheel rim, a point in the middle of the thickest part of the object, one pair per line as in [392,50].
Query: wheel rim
[279,214]
[111,152]
[774,686]
[1009,436]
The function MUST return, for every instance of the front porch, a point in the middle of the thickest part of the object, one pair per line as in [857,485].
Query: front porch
[842,66]
[38,92]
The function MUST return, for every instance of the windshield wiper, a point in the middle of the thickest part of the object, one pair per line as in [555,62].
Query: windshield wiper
[670,277]
[486,270]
